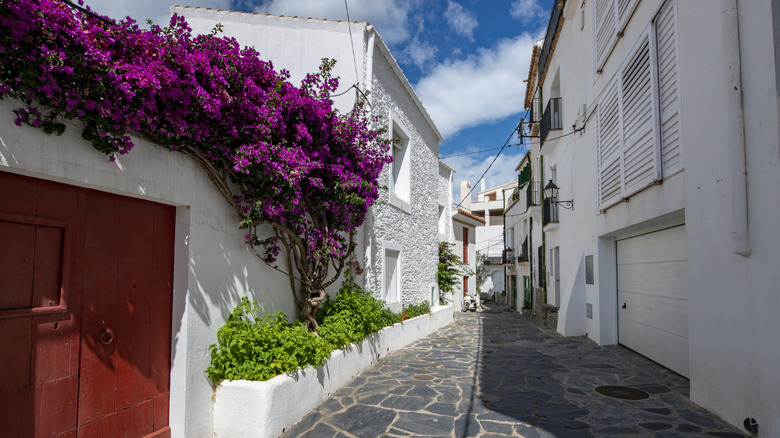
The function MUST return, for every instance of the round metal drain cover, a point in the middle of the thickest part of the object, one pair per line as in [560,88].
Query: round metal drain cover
[622,392]
[422,377]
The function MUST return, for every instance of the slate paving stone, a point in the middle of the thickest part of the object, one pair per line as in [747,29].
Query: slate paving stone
[467,426]
[363,421]
[322,431]
[656,426]
[498,428]
[405,403]
[305,424]
[417,424]
[442,409]
[499,373]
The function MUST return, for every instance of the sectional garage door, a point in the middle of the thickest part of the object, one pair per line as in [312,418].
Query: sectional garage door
[652,298]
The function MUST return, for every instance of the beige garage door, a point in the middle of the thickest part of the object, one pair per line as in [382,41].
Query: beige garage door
[652,298]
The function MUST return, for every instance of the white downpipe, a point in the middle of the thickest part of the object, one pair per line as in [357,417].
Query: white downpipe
[740,238]
[370,61]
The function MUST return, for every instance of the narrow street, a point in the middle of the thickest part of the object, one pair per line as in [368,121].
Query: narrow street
[497,373]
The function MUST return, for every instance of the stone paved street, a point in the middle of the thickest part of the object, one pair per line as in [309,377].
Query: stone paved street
[496,373]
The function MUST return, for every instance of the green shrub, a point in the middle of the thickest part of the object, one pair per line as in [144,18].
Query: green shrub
[252,348]
[258,348]
[413,310]
[352,315]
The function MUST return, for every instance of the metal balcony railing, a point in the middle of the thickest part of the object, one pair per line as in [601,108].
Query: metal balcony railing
[551,119]
[523,256]
[552,31]
[549,212]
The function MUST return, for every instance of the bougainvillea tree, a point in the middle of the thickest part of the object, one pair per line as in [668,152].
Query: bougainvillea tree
[299,174]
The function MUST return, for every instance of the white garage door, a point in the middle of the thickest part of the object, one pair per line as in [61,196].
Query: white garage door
[652,299]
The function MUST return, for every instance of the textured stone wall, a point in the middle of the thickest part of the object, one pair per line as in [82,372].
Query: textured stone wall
[416,231]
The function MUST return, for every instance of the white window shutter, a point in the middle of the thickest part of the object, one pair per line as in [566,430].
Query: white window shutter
[641,145]
[669,90]
[605,29]
[624,10]
[609,146]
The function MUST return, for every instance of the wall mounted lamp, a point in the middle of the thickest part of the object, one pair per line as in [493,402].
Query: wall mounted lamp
[551,193]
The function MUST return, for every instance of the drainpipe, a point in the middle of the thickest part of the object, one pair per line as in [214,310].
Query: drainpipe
[740,238]
[530,254]
[369,82]
[543,269]
[506,281]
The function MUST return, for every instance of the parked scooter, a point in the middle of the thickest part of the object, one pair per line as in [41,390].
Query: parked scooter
[469,303]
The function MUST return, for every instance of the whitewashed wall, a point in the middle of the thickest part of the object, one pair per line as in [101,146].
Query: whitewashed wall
[298,45]
[213,266]
[732,299]
[415,231]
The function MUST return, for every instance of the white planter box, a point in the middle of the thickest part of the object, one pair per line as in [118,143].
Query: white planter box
[244,408]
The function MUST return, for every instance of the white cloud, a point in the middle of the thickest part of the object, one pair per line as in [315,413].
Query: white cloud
[460,19]
[481,88]
[420,53]
[468,168]
[141,10]
[391,18]
[526,10]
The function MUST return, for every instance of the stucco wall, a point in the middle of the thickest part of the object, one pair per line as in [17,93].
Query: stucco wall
[213,267]
[416,231]
[732,299]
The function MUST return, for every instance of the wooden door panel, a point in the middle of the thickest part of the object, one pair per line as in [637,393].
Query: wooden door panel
[38,332]
[134,282]
[101,255]
[16,264]
[85,339]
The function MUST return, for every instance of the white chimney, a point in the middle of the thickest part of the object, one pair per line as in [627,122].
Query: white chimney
[465,195]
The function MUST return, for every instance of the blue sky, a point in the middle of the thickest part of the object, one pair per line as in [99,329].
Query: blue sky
[466,60]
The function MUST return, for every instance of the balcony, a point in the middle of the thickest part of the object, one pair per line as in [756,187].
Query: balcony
[507,256]
[551,119]
[528,196]
[556,19]
[523,257]
[549,212]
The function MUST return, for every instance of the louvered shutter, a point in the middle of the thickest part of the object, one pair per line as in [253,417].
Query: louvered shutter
[669,91]
[641,145]
[609,138]
[624,10]
[606,22]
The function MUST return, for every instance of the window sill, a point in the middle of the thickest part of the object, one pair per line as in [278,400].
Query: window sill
[399,203]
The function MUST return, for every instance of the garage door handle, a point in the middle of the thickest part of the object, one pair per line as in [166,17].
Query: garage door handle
[624,305]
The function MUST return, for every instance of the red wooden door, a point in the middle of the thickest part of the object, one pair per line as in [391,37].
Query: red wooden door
[85,311]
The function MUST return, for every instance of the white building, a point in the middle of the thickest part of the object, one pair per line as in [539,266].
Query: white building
[464,226]
[203,268]
[399,237]
[660,123]
[489,206]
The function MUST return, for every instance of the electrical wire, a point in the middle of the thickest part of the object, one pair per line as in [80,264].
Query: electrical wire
[479,151]
[351,42]
[514,131]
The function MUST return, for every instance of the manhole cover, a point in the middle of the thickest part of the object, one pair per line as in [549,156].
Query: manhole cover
[422,377]
[622,392]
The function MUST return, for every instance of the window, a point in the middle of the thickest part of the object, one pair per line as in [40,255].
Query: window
[465,245]
[465,285]
[638,124]
[611,18]
[391,290]
[442,220]
[400,168]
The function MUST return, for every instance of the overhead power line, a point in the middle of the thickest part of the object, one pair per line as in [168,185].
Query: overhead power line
[490,165]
